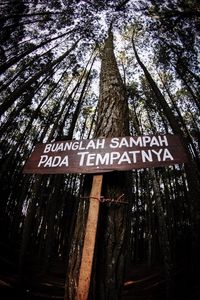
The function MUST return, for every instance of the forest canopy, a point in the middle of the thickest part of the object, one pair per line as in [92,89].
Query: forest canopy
[61,79]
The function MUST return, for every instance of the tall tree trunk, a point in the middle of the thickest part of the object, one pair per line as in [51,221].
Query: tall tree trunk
[20,90]
[192,172]
[31,49]
[107,276]
[112,120]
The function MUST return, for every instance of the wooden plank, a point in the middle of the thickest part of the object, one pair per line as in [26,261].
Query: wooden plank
[89,241]
[106,154]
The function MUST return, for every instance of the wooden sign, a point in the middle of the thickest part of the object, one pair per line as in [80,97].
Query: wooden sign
[106,154]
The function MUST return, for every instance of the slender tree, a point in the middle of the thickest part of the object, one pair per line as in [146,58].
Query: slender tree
[112,120]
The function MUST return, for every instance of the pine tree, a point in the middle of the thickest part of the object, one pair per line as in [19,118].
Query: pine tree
[112,120]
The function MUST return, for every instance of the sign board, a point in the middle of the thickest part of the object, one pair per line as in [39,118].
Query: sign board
[106,154]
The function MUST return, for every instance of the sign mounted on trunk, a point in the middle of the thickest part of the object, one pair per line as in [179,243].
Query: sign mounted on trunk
[106,154]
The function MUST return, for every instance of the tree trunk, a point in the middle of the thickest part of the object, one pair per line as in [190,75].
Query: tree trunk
[21,89]
[107,276]
[31,49]
[191,169]
[113,120]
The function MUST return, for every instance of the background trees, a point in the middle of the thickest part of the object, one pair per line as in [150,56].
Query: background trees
[50,54]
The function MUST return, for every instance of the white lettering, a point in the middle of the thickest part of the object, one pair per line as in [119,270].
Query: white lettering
[49,162]
[114,156]
[43,159]
[65,161]
[146,155]
[68,146]
[54,147]
[91,144]
[114,143]
[163,140]
[146,140]
[102,160]
[154,142]
[82,159]
[167,155]
[80,146]
[75,145]
[56,161]
[47,148]
[60,147]
[53,161]
[135,142]
[100,143]
[134,153]
[124,158]
[124,142]
[158,153]
[90,159]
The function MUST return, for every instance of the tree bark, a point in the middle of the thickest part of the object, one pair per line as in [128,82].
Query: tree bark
[20,90]
[31,48]
[191,169]
[108,269]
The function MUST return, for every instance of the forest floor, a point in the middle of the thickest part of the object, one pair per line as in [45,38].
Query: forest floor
[141,283]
